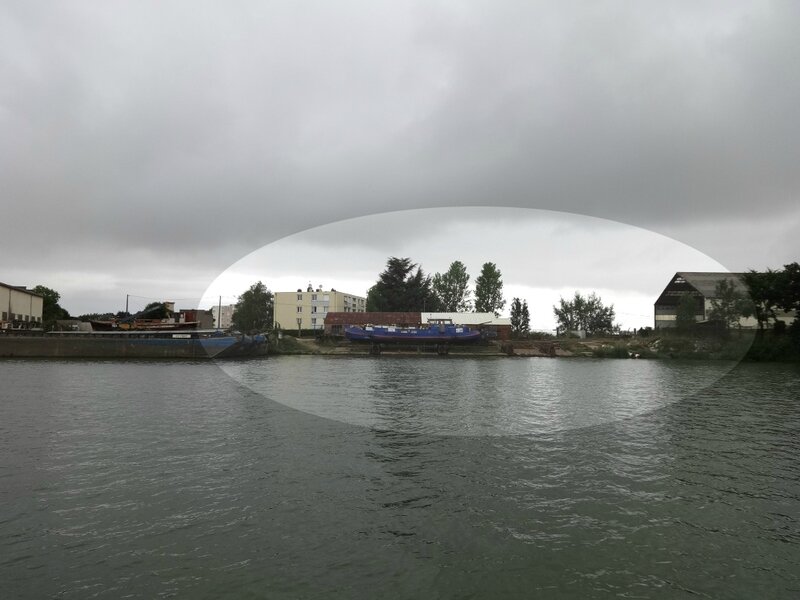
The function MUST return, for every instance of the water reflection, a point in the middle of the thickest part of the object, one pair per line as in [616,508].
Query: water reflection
[531,396]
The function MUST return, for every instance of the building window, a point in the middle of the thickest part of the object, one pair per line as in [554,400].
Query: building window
[5,315]
[313,309]
[299,296]
[299,309]
[313,297]
[313,321]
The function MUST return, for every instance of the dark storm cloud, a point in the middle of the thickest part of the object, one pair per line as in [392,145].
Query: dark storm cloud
[211,129]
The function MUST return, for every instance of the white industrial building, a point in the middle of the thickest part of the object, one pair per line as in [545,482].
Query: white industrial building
[20,308]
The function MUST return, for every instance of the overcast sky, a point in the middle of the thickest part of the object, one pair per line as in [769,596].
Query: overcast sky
[145,147]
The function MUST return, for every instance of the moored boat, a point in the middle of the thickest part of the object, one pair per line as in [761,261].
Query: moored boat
[197,344]
[439,332]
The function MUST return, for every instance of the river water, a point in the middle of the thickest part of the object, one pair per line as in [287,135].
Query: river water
[314,477]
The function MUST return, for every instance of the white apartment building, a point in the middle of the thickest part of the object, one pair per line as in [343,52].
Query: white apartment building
[307,309]
[223,315]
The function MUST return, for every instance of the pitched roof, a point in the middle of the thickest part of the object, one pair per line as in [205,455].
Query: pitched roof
[706,282]
[20,288]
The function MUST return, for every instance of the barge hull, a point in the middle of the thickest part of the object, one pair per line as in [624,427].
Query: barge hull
[94,347]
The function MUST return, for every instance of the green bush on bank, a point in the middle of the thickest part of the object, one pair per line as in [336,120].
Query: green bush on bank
[622,350]
[733,345]
[287,345]
[770,347]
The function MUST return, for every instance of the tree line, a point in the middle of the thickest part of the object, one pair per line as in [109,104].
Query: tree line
[404,287]
[771,291]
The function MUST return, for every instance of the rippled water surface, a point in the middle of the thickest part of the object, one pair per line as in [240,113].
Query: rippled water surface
[399,478]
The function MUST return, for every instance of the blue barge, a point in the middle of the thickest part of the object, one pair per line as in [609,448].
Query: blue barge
[195,344]
[439,332]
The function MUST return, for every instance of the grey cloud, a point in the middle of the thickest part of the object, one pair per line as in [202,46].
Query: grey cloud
[212,130]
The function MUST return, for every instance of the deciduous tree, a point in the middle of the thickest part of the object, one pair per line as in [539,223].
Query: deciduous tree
[790,298]
[489,290]
[729,304]
[525,320]
[686,310]
[51,310]
[766,290]
[452,288]
[520,317]
[155,310]
[254,309]
[588,314]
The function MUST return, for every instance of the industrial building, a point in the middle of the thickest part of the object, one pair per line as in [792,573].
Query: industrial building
[20,308]
[701,287]
[308,309]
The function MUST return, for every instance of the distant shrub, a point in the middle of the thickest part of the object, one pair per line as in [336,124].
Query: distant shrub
[612,351]
[774,348]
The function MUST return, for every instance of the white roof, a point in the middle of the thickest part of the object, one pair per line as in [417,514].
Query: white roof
[466,318]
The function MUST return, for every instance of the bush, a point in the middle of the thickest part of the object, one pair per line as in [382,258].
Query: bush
[621,350]
[774,348]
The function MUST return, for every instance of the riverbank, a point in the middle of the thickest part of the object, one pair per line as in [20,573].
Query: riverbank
[744,346]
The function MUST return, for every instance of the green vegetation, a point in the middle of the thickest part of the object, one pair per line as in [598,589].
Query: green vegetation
[729,305]
[771,291]
[623,350]
[585,314]
[772,346]
[104,316]
[51,310]
[685,319]
[400,288]
[520,318]
[287,344]
[451,288]
[404,287]
[254,309]
[154,310]
[489,290]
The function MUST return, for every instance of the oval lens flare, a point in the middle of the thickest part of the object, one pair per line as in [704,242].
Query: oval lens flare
[543,256]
